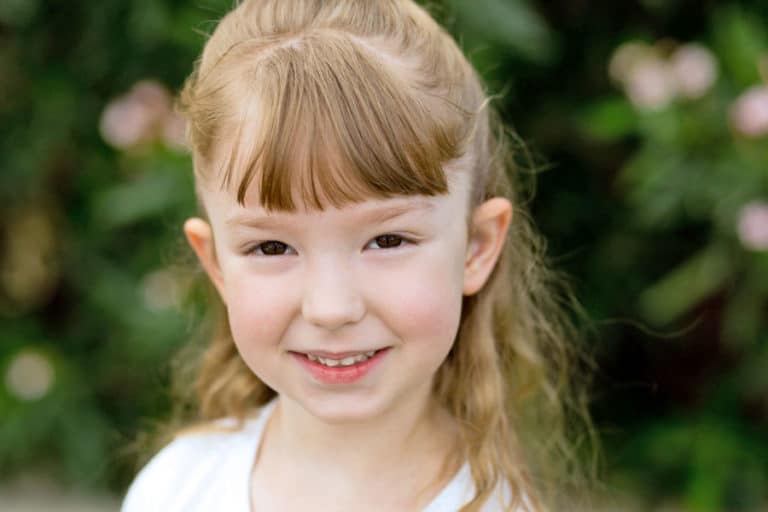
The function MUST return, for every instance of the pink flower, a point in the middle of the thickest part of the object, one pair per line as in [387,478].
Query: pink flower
[136,117]
[644,75]
[753,226]
[694,69]
[651,81]
[749,114]
[174,131]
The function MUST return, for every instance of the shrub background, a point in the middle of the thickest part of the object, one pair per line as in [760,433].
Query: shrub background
[654,199]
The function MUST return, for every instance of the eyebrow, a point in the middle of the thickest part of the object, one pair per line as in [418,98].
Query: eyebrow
[374,216]
[390,212]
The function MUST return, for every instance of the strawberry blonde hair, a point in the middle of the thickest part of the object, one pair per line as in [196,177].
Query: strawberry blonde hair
[331,102]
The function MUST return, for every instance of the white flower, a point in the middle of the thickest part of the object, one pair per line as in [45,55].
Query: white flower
[164,289]
[753,226]
[29,375]
[749,114]
[694,69]
[650,85]
[625,57]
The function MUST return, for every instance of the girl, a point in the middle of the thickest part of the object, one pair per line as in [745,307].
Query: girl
[389,342]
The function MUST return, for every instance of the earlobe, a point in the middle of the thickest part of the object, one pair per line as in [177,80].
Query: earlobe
[490,222]
[200,238]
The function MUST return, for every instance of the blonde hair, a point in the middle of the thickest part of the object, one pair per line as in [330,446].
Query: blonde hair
[331,102]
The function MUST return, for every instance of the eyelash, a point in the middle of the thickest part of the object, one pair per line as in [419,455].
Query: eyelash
[258,249]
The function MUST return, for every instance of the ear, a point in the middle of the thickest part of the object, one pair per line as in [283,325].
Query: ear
[200,238]
[488,232]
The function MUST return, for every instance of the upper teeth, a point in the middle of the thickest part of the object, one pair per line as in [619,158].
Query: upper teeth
[347,361]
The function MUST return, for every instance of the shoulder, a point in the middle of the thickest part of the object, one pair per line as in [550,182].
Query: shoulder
[462,489]
[179,470]
[501,498]
[195,467]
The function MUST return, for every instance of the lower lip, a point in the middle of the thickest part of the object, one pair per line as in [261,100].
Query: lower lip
[341,374]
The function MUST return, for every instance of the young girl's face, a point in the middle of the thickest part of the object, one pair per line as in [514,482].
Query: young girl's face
[381,275]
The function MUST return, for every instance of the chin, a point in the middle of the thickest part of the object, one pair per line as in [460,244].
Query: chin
[343,410]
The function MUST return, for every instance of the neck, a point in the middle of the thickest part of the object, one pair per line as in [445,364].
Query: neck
[408,440]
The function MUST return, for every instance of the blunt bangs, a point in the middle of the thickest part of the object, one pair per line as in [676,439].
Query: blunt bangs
[324,120]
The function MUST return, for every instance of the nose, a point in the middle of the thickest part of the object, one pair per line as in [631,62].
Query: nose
[331,297]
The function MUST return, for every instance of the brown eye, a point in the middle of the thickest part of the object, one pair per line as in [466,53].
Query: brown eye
[271,248]
[388,241]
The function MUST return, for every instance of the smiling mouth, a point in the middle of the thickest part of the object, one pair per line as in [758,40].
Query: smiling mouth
[348,360]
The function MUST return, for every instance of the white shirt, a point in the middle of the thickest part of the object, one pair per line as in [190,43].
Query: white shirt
[211,471]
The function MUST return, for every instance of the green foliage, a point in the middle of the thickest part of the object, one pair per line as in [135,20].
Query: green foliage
[693,175]
[653,204]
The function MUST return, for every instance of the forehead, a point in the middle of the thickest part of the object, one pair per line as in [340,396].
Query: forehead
[365,212]
[222,206]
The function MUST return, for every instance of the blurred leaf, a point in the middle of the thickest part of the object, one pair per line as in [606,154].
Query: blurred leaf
[740,41]
[653,181]
[662,126]
[512,23]
[744,315]
[687,285]
[716,461]
[148,22]
[146,196]
[18,13]
[609,120]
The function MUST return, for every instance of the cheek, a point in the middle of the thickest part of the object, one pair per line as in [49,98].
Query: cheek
[258,310]
[424,301]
